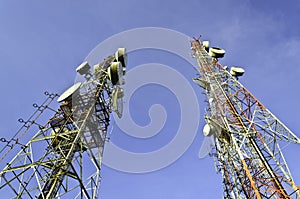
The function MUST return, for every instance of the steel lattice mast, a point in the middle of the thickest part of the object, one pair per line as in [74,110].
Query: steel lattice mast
[63,159]
[247,135]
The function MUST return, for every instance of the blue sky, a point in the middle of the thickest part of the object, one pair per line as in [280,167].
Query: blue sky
[41,43]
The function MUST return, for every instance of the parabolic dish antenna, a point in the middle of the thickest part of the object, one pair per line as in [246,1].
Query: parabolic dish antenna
[216,52]
[117,101]
[210,132]
[67,95]
[83,68]
[121,56]
[115,73]
[237,71]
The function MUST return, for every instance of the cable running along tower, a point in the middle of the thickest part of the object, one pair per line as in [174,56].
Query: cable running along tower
[246,135]
[63,158]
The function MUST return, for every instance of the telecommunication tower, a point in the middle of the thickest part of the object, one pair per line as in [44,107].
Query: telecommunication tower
[246,136]
[63,156]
